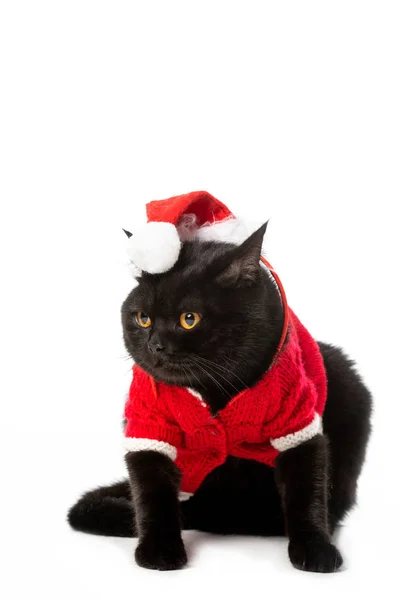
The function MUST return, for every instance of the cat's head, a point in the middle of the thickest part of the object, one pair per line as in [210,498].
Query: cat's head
[211,320]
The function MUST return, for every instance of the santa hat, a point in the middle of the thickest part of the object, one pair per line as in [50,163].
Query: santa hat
[155,247]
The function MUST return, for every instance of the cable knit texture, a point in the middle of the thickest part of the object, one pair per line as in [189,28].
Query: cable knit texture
[281,411]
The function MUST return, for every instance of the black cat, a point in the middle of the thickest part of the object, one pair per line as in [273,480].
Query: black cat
[312,486]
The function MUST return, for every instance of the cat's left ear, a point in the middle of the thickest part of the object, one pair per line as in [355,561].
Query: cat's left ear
[243,267]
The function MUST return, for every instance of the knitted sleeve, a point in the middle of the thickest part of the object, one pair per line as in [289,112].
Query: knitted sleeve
[299,421]
[303,382]
[149,426]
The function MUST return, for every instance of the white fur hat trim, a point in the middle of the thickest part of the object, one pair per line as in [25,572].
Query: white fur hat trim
[155,247]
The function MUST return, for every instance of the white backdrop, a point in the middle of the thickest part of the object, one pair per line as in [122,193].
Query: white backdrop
[288,110]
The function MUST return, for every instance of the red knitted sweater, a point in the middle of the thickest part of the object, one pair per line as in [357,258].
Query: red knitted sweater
[281,411]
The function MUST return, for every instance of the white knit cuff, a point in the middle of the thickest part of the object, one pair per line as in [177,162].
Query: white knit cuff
[135,444]
[295,439]
[184,496]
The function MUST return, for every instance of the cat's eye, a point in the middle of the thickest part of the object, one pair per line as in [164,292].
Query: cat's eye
[189,320]
[143,319]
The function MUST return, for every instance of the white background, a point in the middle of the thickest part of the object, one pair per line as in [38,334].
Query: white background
[288,110]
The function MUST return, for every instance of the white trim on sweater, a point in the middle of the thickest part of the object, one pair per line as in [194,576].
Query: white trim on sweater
[137,444]
[184,496]
[196,395]
[132,444]
[295,439]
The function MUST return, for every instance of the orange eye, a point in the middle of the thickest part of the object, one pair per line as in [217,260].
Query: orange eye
[143,320]
[189,320]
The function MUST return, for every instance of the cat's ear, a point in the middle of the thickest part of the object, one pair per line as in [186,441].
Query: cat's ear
[243,267]
[128,233]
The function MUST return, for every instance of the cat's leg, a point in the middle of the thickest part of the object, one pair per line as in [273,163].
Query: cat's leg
[106,510]
[155,480]
[302,476]
[347,424]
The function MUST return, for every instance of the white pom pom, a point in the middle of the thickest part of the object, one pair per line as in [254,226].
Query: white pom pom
[155,247]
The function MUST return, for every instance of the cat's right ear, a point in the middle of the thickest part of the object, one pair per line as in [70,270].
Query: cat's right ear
[128,233]
[242,265]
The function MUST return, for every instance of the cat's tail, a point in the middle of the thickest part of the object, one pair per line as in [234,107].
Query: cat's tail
[105,510]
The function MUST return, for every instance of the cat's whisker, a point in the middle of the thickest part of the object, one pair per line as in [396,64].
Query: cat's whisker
[215,364]
[186,374]
[221,387]
[220,367]
[219,374]
[194,375]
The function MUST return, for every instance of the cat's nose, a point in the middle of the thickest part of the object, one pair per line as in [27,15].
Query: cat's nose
[156,347]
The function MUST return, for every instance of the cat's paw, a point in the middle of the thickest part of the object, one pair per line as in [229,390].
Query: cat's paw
[163,555]
[318,556]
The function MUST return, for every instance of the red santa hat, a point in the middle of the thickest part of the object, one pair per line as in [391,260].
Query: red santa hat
[155,247]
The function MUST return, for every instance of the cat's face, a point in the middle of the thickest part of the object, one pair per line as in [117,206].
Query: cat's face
[204,320]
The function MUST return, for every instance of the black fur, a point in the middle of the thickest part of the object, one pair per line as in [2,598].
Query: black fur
[312,487]
[302,477]
[155,485]
[105,511]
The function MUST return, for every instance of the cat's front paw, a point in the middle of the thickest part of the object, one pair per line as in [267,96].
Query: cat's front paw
[163,555]
[318,556]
